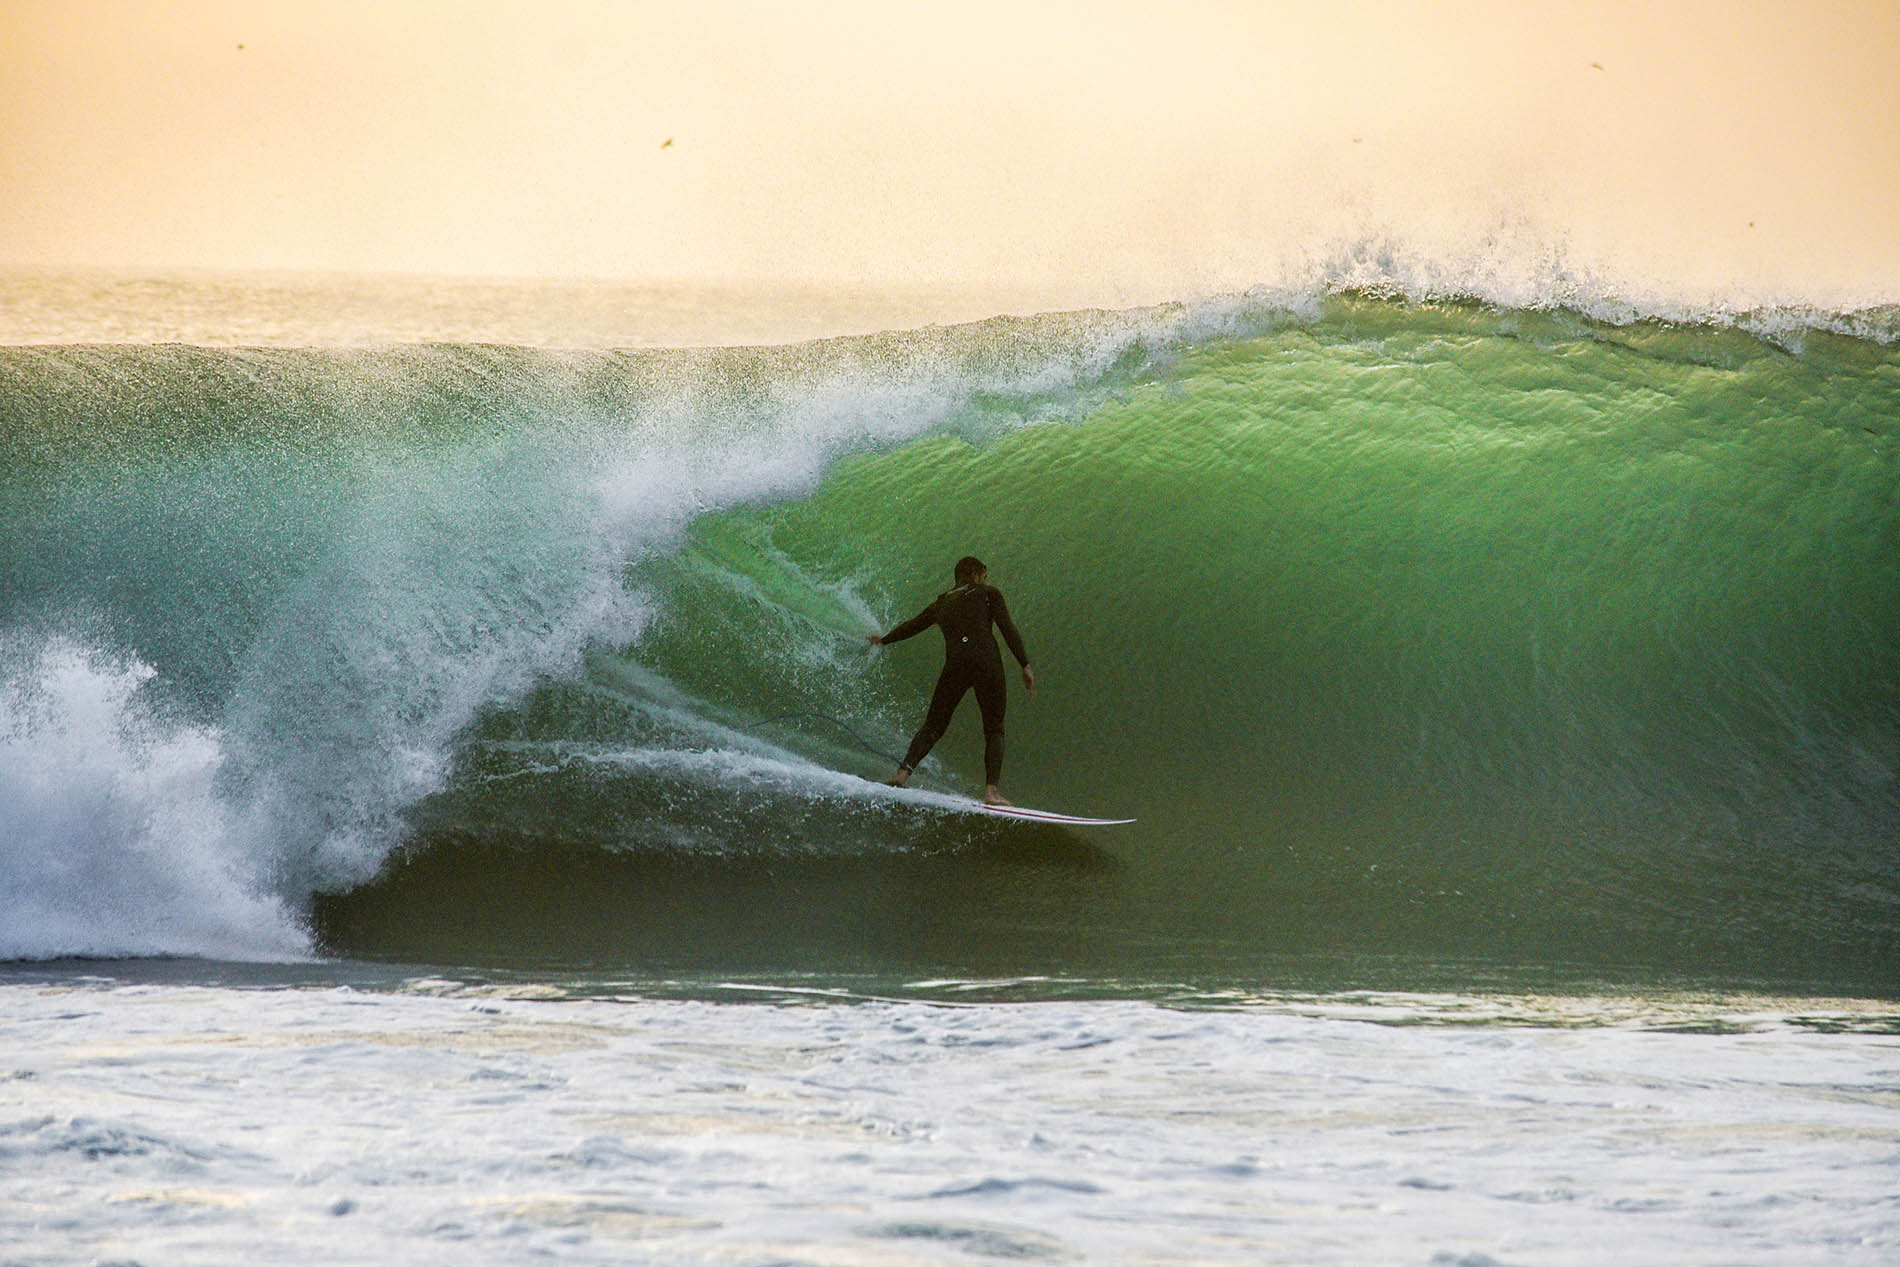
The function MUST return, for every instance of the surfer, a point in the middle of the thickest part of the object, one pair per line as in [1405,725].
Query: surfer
[971,661]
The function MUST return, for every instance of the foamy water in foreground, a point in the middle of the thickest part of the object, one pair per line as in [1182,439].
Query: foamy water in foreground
[439,1123]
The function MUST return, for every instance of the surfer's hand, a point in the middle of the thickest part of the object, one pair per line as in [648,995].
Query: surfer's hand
[1029,679]
[876,640]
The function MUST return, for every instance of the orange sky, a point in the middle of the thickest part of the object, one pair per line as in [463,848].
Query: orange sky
[1121,150]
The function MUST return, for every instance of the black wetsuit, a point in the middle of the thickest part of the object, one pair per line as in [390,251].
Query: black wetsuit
[970,662]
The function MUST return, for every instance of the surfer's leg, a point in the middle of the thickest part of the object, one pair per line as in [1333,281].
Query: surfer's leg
[992,697]
[943,702]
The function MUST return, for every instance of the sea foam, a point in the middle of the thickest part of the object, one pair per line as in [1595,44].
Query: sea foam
[113,837]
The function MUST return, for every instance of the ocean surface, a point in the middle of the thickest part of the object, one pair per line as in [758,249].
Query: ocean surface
[438,802]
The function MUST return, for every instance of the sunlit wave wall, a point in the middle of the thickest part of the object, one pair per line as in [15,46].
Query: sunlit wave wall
[1417,630]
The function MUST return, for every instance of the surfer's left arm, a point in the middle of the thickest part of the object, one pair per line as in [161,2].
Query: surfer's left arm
[909,629]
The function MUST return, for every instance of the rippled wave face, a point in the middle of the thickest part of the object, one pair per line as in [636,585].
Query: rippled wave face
[1437,632]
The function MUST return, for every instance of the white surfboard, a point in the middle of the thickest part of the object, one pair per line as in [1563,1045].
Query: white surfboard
[964,805]
[1045,816]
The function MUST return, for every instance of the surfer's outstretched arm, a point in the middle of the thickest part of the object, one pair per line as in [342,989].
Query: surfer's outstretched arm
[909,629]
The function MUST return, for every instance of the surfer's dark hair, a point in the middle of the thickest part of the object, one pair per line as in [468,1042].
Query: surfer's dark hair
[969,567]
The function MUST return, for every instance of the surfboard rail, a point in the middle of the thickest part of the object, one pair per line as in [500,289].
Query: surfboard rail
[965,804]
[1048,816]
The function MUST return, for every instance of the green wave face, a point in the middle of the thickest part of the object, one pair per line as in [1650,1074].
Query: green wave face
[1401,631]
[1411,635]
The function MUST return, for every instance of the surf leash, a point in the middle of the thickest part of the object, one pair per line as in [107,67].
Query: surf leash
[862,742]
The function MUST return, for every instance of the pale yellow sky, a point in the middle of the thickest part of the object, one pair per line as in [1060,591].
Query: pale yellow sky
[1121,150]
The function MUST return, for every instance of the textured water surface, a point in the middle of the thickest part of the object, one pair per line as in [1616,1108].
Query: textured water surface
[440,1121]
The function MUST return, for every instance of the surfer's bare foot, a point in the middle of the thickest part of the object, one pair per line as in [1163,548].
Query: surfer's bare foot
[899,779]
[993,797]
